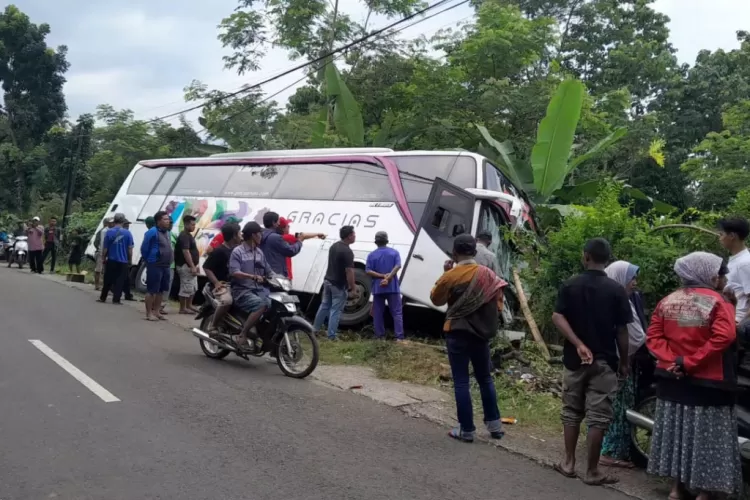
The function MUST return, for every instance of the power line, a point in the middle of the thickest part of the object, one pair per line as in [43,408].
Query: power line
[303,65]
[308,74]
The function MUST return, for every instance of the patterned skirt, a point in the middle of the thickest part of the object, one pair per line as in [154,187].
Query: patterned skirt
[617,441]
[697,445]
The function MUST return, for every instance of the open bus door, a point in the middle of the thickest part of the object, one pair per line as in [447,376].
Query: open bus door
[450,211]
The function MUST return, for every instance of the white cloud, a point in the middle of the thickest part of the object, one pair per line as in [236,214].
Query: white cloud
[704,24]
[140,54]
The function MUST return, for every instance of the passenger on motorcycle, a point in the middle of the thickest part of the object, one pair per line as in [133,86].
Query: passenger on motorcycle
[249,270]
[216,268]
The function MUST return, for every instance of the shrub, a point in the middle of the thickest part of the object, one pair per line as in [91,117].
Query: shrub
[632,240]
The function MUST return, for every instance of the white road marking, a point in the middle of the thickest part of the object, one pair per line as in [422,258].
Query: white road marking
[77,374]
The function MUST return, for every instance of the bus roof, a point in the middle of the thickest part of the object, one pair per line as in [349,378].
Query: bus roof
[301,152]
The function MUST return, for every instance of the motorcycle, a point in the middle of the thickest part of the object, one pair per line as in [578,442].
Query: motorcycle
[281,332]
[642,415]
[20,252]
[5,248]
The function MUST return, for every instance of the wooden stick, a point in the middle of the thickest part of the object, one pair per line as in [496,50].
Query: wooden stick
[685,226]
[527,314]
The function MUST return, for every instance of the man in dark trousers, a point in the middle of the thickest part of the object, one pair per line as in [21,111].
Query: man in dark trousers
[51,242]
[592,314]
[338,283]
[117,254]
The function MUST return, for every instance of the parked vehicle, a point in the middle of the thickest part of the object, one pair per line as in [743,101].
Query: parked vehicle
[319,191]
[642,416]
[5,248]
[281,331]
[20,253]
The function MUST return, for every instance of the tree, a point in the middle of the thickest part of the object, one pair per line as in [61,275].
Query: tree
[32,76]
[243,121]
[720,167]
[307,28]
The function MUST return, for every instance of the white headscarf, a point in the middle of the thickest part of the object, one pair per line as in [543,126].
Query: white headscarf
[698,269]
[624,272]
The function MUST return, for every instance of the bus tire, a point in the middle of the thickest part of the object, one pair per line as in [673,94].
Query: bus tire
[140,279]
[356,311]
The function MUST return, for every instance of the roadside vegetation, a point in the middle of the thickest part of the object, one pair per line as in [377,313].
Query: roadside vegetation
[530,400]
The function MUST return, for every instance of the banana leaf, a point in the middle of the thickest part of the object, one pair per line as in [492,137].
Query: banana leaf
[549,157]
[381,139]
[319,129]
[600,146]
[346,114]
[507,163]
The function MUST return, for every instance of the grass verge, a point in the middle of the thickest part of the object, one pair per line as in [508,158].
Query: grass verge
[423,363]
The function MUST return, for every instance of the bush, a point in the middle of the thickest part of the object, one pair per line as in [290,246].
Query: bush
[632,240]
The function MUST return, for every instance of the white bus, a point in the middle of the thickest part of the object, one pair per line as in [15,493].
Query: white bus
[421,198]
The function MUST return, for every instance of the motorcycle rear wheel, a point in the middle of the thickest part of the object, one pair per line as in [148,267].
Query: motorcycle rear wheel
[288,361]
[641,438]
[211,350]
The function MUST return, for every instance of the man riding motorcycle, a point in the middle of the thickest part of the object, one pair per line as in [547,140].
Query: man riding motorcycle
[249,269]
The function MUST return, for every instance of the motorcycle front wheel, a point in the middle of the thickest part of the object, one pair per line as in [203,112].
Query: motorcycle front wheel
[298,352]
[211,350]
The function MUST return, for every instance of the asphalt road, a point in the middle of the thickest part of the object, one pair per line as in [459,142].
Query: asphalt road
[190,428]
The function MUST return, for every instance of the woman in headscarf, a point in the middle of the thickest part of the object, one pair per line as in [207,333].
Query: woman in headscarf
[617,441]
[692,335]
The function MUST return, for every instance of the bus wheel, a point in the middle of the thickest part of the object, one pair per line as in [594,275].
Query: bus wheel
[357,310]
[140,279]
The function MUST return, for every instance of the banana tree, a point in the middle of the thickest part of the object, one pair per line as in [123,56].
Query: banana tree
[342,107]
[551,161]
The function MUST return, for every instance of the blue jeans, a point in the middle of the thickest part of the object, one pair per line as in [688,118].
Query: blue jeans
[462,349]
[333,303]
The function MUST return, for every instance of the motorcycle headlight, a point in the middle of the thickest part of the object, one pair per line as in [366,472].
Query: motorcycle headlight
[285,284]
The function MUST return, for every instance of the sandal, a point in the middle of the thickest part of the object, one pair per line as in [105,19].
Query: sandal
[459,435]
[601,480]
[612,462]
[559,468]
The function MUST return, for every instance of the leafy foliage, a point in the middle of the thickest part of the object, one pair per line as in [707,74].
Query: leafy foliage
[632,239]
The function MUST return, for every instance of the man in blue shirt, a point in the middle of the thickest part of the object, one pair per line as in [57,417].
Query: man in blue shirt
[249,269]
[156,250]
[117,252]
[383,264]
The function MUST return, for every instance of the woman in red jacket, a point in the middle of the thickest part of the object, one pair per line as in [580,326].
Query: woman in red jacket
[692,335]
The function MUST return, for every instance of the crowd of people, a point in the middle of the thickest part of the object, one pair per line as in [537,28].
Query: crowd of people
[43,243]
[692,332]
[693,335]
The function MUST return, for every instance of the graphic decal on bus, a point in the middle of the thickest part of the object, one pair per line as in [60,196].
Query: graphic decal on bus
[212,215]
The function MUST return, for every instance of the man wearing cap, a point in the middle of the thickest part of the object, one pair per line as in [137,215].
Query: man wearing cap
[275,248]
[474,297]
[218,240]
[284,230]
[117,252]
[485,257]
[98,243]
[249,269]
[382,265]
[35,234]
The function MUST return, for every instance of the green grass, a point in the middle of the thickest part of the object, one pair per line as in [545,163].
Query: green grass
[422,363]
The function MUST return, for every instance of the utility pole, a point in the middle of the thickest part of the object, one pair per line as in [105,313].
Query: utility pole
[71,180]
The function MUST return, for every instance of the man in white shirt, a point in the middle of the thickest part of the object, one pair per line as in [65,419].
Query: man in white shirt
[733,232]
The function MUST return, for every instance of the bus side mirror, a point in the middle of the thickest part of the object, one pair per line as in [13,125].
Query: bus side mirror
[458,229]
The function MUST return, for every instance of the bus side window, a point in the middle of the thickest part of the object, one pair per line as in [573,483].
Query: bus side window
[144,180]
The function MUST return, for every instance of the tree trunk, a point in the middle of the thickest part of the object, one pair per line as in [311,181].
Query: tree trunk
[527,315]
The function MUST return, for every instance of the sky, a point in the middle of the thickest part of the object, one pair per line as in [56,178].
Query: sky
[140,54]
